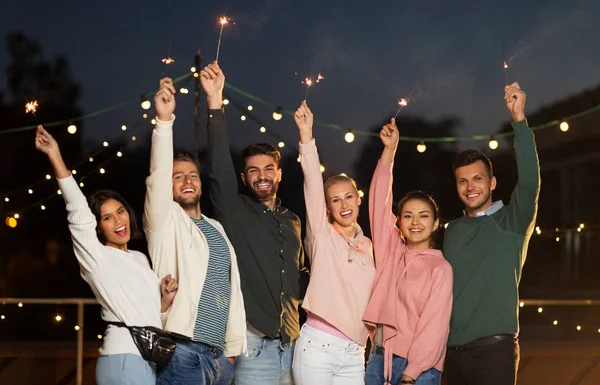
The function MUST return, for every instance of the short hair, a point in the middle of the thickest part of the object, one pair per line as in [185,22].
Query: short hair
[98,198]
[185,156]
[424,197]
[261,149]
[468,157]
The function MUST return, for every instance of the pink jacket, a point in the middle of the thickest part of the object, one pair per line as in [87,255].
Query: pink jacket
[412,297]
[340,285]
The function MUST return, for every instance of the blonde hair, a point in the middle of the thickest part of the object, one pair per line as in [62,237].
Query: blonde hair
[337,179]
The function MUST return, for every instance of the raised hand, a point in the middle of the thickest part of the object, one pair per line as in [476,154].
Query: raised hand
[213,81]
[389,134]
[45,142]
[515,99]
[164,100]
[304,121]
[168,289]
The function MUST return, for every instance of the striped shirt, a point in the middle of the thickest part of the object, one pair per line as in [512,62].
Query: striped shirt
[213,307]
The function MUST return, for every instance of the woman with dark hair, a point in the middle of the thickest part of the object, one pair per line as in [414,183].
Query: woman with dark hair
[122,280]
[409,311]
[331,346]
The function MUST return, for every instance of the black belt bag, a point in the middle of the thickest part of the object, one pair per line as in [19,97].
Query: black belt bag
[155,345]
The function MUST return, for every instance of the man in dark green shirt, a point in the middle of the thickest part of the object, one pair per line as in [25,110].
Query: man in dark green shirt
[487,248]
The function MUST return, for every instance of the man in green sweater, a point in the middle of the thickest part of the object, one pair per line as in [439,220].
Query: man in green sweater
[487,248]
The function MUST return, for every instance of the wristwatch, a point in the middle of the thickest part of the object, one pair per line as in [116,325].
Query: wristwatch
[408,381]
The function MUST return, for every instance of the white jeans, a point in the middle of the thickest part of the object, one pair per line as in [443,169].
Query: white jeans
[323,359]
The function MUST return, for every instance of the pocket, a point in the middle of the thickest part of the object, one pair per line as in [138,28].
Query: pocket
[503,349]
[185,358]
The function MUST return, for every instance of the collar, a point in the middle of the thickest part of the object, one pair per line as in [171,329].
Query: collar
[489,211]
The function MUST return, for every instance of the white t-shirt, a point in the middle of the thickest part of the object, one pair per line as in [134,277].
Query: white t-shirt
[122,281]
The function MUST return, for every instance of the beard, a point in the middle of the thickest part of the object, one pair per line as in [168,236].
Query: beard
[187,203]
[264,195]
[476,206]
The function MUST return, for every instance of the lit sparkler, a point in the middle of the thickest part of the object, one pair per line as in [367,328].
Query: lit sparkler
[31,107]
[223,21]
[506,72]
[402,103]
[320,77]
[168,60]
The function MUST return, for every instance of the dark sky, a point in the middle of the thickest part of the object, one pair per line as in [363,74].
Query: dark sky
[371,54]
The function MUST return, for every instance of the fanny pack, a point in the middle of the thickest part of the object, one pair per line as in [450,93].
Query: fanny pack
[155,345]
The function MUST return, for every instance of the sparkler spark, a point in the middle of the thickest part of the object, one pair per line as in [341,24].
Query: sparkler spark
[308,82]
[223,21]
[168,60]
[320,77]
[505,64]
[31,107]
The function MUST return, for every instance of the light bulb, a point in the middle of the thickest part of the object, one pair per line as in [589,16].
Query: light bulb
[225,102]
[281,144]
[90,159]
[322,168]
[105,144]
[102,171]
[243,117]
[361,193]
[80,184]
[58,318]
[153,121]
[263,129]
[146,104]
[521,304]
[555,322]
[250,108]
[193,69]
[17,216]
[20,304]
[349,137]
[76,327]
[582,225]
[119,154]
[43,207]
[421,147]
[299,159]
[277,115]
[72,129]
[578,328]
[564,126]
[540,309]
[48,176]
[6,199]
[493,143]
[123,127]
[59,192]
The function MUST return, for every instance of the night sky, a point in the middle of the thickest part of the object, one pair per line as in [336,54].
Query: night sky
[371,54]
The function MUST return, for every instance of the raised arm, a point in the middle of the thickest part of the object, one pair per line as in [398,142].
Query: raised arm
[431,334]
[314,198]
[381,212]
[223,180]
[159,184]
[524,199]
[82,222]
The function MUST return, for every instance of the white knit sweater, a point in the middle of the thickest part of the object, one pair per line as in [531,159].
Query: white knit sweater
[123,282]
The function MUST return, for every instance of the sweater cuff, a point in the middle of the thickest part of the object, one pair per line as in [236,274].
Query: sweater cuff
[384,168]
[70,190]
[520,125]
[412,371]
[163,126]
[216,116]
[308,148]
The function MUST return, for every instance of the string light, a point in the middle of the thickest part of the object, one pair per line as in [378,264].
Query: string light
[281,144]
[193,69]
[153,121]
[16,216]
[124,127]
[2,317]
[145,116]
[43,207]
[105,144]
[80,184]
[578,328]
[564,126]
[11,222]
[145,103]
[299,159]
[119,154]
[74,172]
[225,102]
[521,304]
[445,225]
[59,192]
[72,129]
[555,322]
[20,304]
[133,138]
[102,171]
[540,309]
[581,225]
[6,199]
[493,143]
[250,108]
[48,176]
[557,239]
[243,117]
[76,327]
[277,114]
[263,129]
[421,147]
[184,90]
[322,169]
[349,137]
[579,229]
[361,193]
[195,74]
[99,336]
[91,159]
[58,318]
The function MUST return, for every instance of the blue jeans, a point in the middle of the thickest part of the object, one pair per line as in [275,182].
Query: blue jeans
[124,369]
[269,362]
[196,364]
[374,374]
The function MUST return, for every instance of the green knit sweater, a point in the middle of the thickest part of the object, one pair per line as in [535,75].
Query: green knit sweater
[487,254]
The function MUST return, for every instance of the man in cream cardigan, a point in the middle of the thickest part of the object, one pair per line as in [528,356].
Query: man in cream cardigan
[208,312]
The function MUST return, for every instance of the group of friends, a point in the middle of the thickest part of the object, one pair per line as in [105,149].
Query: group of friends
[228,288]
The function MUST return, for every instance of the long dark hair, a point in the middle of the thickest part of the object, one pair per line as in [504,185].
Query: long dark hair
[423,197]
[98,198]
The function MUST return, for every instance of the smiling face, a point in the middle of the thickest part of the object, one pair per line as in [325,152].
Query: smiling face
[187,187]
[262,175]
[115,224]
[343,203]
[417,222]
[474,186]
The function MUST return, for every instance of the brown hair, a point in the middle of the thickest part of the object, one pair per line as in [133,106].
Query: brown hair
[423,197]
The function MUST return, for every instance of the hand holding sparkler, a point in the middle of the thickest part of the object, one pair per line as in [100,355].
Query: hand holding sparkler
[515,99]
[213,81]
[164,100]
[304,121]
[45,143]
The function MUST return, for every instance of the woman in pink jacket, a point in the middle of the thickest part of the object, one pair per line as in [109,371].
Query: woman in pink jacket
[331,346]
[409,311]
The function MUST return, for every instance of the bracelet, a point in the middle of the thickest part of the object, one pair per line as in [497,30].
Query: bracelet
[408,381]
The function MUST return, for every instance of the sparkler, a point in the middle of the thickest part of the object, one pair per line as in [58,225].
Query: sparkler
[223,21]
[309,82]
[168,59]
[31,107]
[404,101]
[506,72]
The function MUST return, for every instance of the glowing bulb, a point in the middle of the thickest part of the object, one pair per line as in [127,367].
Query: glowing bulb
[43,207]
[102,171]
[193,69]
[20,304]
[281,144]
[349,137]
[299,159]
[17,216]
[537,228]
[555,322]
[225,102]
[80,184]
[243,117]
[564,126]
[578,328]
[146,104]
[74,172]
[277,115]
[145,116]
[445,225]
[105,144]
[153,121]
[581,225]
[6,199]
[421,147]
[91,159]
[540,310]
[48,176]
[579,229]
[493,144]
[76,327]
[343,174]
[72,129]
[195,74]
[99,336]
[557,239]
[119,154]
[123,127]
[58,318]
[59,192]
[250,108]
[322,168]
[133,138]
[2,316]
[521,304]
[361,193]
[263,129]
